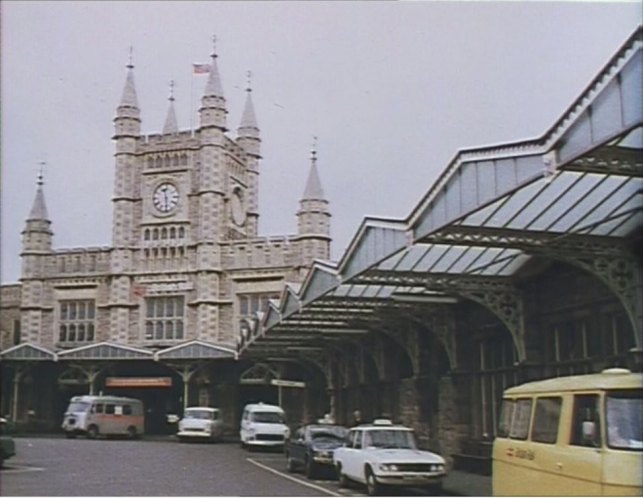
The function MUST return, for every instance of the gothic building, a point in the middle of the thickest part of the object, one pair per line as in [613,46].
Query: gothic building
[157,314]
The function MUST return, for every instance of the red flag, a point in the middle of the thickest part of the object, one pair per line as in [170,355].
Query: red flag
[201,68]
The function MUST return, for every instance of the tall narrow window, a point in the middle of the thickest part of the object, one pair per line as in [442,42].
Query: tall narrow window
[164,318]
[76,320]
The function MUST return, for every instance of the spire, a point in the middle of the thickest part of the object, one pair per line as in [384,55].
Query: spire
[39,209]
[170,120]
[213,86]
[129,92]
[248,118]
[313,190]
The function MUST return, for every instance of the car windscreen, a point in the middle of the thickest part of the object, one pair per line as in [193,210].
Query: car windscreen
[330,431]
[268,417]
[390,439]
[78,407]
[200,414]
[625,419]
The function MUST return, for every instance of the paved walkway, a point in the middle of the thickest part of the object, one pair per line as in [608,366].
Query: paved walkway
[467,484]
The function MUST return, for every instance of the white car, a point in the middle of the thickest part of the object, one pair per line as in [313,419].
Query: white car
[200,422]
[383,454]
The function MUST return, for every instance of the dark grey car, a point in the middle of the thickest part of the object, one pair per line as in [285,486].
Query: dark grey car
[311,448]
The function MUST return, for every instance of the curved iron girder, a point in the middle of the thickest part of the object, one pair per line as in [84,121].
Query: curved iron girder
[497,294]
[441,323]
[622,274]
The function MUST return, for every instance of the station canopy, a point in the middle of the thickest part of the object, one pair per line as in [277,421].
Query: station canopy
[578,189]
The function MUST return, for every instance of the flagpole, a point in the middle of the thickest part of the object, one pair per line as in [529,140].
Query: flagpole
[192,102]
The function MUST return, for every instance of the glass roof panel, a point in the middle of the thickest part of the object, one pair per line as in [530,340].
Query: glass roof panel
[389,263]
[543,193]
[618,226]
[515,204]
[470,255]
[589,204]
[485,257]
[371,291]
[494,261]
[513,264]
[432,254]
[565,202]
[410,259]
[628,198]
[477,218]
[448,258]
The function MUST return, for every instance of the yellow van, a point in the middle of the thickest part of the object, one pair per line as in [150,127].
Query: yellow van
[579,435]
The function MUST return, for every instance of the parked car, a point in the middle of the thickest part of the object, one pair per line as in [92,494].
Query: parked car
[200,423]
[311,447]
[263,425]
[382,453]
[7,444]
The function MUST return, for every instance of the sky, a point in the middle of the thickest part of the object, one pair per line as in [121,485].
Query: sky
[391,90]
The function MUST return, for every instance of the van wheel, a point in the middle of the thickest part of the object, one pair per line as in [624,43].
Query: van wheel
[131,432]
[92,432]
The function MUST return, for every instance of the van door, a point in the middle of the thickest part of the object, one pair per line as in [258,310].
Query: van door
[578,462]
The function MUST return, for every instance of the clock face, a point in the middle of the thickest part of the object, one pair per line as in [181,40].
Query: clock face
[238,211]
[165,197]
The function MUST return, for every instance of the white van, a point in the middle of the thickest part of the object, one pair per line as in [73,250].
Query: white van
[104,415]
[263,425]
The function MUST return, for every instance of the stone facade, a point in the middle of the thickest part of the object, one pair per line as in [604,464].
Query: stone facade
[185,207]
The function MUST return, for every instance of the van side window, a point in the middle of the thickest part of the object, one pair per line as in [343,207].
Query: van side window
[520,423]
[506,414]
[546,418]
[98,408]
[127,410]
[586,413]
[109,409]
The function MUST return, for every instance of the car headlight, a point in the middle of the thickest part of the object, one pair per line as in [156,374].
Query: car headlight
[438,467]
[389,467]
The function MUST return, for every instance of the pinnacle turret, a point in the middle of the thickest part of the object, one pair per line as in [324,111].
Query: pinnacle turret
[313,190]
[128,121]
[213,87]
[170,120]
[213,105]
[313,217]
[37,235]
[248,131]
[129,98]
[39,209]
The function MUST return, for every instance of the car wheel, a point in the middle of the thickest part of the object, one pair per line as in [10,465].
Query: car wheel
[131,432]
[290,463]
[372,486]
[341,477]
[92,432]
[310,469]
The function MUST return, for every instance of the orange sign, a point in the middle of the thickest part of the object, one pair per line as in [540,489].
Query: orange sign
[138,382]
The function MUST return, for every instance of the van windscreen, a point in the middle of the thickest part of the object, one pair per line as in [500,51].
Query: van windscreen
[78,406]
[625,419]
[268,417]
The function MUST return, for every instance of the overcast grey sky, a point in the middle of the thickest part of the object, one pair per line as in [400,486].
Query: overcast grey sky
[392,90]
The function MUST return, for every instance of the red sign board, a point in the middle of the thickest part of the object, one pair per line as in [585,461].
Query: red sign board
[138,382]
